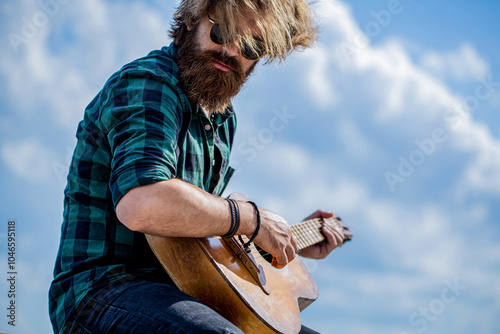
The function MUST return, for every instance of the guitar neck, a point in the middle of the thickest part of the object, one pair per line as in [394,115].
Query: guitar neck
[308,232]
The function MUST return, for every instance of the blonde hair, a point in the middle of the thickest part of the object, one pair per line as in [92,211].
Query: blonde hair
[285,24]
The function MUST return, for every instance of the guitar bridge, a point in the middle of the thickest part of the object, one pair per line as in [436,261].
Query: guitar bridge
[247,259]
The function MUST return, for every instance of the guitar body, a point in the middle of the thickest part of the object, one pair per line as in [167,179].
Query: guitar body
[209,270]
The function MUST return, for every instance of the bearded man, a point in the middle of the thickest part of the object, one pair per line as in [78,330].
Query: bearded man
[160,125]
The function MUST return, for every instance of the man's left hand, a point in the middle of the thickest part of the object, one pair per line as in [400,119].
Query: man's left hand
[333,238]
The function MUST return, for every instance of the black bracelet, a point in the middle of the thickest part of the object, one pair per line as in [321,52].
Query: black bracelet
[231,209]
[237,216]
[247,244]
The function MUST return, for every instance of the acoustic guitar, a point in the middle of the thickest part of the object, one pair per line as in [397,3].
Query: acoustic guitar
[242,285]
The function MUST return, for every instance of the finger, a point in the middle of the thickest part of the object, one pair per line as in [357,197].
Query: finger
[334,236]
[294,245]
[329,232]
[326,214]
[276,263]
[320,214]
[336,229]
[282,257]
[338,235]
[239,196]
[290,253]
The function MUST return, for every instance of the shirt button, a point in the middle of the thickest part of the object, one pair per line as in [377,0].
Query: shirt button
[208,127]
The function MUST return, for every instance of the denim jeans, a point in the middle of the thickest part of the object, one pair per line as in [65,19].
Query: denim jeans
[143,307]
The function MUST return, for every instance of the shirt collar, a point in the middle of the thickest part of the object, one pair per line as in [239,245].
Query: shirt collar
[172,50]
[218,118]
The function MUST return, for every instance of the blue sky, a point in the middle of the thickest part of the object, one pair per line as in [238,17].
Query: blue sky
[391,119]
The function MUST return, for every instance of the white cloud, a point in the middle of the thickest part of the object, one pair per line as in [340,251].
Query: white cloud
[353,139]
[417,252]
[44,73]
[340,194]
[463,64]
[417,247]
[28,159]
[422,239]
[318,83]
[482,173]
[404,95]
[290,159]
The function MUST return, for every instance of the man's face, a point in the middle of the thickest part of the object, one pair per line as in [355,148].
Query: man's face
[231,50]
[213,74]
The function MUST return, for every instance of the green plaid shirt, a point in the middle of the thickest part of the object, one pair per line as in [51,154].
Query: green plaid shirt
[140,129]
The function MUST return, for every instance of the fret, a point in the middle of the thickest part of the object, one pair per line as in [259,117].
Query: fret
[303,230]
[308,232]
[316,226]
[300,232]
[303,233]
[298,236]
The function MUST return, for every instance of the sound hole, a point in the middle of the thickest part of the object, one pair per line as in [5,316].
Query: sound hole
[268,257]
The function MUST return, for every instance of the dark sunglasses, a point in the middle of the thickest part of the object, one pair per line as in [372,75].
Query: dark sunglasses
[246,50]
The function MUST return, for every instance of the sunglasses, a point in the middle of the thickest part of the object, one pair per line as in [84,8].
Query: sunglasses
[247,51]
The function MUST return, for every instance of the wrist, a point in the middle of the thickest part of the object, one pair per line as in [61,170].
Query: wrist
[235,218]
[254,235]
[248,218]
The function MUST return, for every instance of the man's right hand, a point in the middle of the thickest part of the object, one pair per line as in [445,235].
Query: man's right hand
[275,236]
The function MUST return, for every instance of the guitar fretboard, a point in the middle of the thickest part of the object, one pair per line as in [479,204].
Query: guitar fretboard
[308,232]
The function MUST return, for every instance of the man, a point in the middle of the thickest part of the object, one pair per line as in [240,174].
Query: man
[160,125]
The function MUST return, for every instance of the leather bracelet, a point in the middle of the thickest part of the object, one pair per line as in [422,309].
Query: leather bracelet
[229,233]
[247,244]
[237,216]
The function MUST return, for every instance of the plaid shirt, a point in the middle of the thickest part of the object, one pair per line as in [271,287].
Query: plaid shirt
[140,129]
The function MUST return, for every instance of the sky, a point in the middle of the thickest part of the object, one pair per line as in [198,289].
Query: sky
[391,120]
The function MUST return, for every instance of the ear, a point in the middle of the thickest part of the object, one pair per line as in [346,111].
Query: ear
[190,24]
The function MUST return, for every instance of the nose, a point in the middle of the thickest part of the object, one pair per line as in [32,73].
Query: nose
[232,49]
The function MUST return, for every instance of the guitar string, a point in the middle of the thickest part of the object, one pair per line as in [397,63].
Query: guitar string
[306,233]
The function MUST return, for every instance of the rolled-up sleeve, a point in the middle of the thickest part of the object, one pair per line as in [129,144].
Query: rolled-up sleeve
[141,119]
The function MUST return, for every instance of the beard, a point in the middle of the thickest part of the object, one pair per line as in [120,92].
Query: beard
[203,83]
